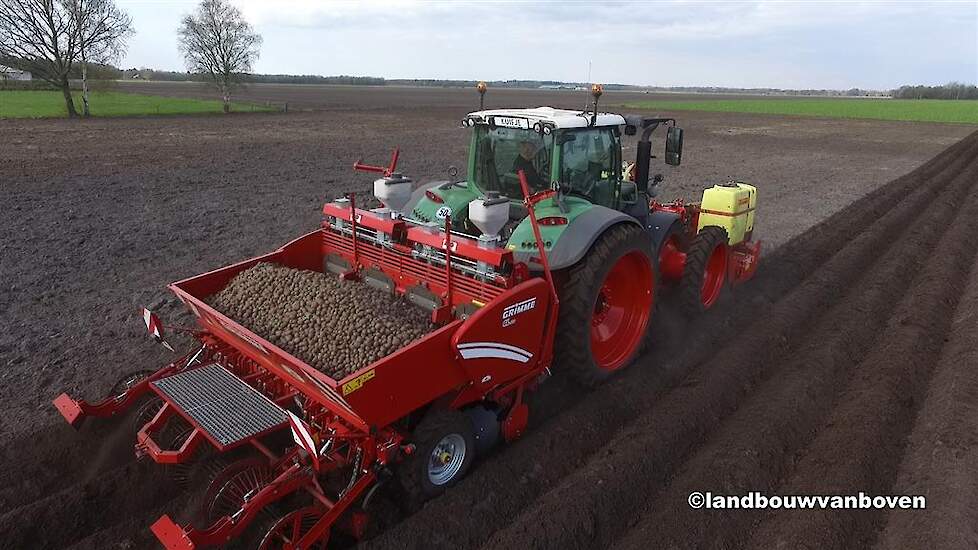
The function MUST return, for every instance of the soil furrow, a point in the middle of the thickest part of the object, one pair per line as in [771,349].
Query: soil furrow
[698,408]
[755,447]
[77,511]
[942,455]
[655,444]
[878,405]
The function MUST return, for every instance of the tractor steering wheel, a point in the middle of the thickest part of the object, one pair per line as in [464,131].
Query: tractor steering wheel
[587,191]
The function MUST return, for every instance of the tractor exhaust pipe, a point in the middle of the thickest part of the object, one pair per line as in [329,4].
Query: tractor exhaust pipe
[643,157]
[642,160]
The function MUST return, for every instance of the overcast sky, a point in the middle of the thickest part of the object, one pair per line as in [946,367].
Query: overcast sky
[800,44]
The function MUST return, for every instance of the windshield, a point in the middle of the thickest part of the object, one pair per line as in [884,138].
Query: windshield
[500,152]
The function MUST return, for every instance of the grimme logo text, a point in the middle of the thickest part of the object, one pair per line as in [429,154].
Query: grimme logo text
[520,307]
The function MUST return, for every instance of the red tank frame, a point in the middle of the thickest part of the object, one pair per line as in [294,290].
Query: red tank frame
[470,359]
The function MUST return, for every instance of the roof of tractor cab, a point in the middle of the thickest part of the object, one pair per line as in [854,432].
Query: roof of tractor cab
[559,118]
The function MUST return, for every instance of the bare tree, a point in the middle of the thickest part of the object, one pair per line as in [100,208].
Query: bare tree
[40,36]
[47,37]
[102,31]
[217,42]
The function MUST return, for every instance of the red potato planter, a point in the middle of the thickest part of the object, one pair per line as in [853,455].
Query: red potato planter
[251,425]
[357,425]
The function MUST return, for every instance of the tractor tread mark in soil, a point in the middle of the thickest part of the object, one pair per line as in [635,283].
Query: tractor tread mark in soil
[577,303]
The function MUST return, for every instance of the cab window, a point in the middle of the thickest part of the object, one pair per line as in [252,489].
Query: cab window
[590,164]
[501,152]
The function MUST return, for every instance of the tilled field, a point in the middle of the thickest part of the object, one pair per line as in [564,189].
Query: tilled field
[843,367]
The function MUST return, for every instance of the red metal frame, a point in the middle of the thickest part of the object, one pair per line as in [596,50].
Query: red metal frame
[75,411]
[387,171]
[466,360]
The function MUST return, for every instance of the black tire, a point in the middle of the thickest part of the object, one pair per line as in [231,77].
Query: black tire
[413,473]
[578,296]
[697,258]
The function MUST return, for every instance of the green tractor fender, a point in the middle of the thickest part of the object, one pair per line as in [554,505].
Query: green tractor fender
[565,244]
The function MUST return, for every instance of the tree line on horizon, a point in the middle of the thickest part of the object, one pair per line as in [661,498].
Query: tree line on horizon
[59,40]
[951,90]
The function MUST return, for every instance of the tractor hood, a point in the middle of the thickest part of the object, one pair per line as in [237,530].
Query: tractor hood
[455,196]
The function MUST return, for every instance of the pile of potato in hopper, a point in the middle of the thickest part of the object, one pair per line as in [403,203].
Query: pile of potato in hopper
[338,327]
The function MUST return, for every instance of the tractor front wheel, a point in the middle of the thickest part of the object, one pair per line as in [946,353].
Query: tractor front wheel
[705,272]
[606,302]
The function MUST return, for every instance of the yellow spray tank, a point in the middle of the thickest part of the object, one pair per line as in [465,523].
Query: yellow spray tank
[731,206]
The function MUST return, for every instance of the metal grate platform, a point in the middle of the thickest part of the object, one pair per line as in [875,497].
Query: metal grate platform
[221,404]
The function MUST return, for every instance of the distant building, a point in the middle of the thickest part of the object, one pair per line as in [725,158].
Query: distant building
[8,73]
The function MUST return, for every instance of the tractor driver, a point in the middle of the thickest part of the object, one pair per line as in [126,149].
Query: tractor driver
[524,161]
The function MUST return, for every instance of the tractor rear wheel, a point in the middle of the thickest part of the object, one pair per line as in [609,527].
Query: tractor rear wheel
[606,303]
[705,272]
[444,448]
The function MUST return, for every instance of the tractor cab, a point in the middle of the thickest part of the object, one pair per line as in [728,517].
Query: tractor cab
[577,153]
[553,147]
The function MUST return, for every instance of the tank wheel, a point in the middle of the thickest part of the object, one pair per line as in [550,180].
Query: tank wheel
[203,466]
[290,528]
[444,447]
[182,473]
[226,492]
[128,381]
[705,272]
[145,412]
[605,306]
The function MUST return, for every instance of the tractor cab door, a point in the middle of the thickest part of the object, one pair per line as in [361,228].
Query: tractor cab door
[590,164]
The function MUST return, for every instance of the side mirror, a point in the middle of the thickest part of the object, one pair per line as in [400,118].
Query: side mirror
[674,146]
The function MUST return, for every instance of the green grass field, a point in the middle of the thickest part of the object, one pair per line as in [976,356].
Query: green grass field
[45,104]
[919,110]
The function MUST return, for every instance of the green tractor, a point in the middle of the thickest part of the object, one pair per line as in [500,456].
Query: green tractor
[610,245]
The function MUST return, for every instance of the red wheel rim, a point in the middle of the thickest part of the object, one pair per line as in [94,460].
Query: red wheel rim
[621,311]
[289,530]
[714,277]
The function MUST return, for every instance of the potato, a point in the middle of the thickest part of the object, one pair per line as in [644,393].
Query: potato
[337,327]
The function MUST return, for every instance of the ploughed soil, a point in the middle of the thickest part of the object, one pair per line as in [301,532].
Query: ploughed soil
[844,366]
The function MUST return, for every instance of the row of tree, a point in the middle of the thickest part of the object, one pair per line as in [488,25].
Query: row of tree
[951,90]
[48,38]
[178,76]
[57,39]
